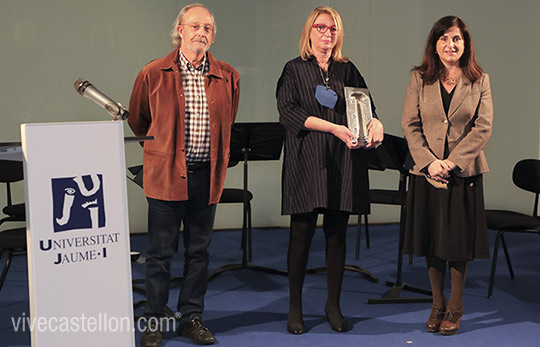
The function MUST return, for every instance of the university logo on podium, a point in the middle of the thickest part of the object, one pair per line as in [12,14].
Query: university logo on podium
[74,244]
[78,202]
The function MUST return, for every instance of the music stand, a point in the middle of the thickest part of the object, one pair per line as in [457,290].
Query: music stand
[392,296]
[354,268]
[348,267]
[251,142]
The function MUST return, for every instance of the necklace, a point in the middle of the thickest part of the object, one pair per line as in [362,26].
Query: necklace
[324,78]
[452,80]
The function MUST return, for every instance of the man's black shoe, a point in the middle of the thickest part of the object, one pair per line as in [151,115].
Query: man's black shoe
[151,337]
[197,332]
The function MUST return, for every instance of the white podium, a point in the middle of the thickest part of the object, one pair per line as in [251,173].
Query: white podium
[78,235]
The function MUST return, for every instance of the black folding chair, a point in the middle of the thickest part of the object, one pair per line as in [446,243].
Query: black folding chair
[12,241]
[526,175]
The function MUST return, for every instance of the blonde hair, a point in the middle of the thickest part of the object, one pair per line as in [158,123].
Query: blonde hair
[176,39]
[305,42]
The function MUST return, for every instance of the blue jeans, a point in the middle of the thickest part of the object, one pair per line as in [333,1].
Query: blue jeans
[164,219]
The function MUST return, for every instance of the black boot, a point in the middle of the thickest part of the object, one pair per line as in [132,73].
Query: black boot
[302,230]
[335,318]
[295,322]
[335,228]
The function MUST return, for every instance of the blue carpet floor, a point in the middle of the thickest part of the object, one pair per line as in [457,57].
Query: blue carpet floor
[249,308]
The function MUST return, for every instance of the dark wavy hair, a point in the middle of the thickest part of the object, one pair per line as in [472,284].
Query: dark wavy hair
[432,68]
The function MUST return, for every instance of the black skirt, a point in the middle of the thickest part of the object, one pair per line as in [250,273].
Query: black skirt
[446,223]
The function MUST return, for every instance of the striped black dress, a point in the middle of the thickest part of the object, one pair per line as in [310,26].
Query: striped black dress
[319,171]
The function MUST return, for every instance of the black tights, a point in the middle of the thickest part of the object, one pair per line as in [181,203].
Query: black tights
[302,229]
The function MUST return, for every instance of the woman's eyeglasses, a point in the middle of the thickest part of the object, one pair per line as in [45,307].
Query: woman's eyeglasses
[322,28]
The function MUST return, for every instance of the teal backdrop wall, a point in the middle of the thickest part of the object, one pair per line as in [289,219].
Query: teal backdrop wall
[46,45]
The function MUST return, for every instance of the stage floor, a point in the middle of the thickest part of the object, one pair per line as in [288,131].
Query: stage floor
[249,308]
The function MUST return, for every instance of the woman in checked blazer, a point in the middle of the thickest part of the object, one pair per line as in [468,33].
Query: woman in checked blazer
[447,120]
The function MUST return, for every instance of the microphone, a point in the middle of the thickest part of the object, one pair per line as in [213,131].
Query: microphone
[115,109]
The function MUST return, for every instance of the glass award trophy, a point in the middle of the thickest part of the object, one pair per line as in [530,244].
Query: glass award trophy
[358,112]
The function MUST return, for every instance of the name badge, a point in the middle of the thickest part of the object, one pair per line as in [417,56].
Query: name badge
[326,96]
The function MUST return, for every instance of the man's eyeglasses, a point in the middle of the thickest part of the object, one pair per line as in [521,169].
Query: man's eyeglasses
[322,28]
[195,27]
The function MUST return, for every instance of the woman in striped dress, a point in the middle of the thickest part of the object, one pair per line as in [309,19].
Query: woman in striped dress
[324,169]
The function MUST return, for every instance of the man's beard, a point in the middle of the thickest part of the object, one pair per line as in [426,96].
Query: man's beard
[196,49]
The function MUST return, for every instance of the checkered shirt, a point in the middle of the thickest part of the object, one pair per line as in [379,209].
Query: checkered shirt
[197,117]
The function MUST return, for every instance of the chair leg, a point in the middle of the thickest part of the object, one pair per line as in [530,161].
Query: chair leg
[510,269]
[245,237]
[358,232]
[367,231]
[250,237]
[6,268]
[494,265]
